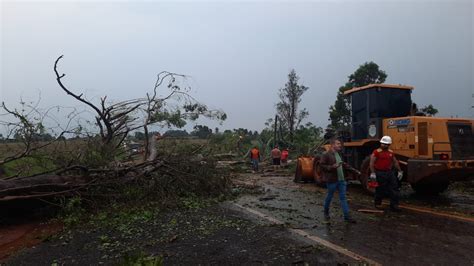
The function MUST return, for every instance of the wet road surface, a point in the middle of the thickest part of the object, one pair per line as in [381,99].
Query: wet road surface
[390,238]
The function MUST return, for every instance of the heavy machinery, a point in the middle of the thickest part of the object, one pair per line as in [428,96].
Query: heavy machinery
[432,151]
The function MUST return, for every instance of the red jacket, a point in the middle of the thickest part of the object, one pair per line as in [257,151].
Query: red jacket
[383,159]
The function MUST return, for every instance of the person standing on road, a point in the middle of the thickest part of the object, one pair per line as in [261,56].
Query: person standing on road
[284,157]
[255,158]
[382,162]
[333,168]
[276,158]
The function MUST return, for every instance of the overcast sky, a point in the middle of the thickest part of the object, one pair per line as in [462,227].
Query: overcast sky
[238,54]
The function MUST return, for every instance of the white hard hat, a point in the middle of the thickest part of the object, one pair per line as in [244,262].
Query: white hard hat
[386,140]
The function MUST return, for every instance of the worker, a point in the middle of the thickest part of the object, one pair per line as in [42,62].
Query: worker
[276,157]
[284,157]
[382,162]
[333,168]
[255,158]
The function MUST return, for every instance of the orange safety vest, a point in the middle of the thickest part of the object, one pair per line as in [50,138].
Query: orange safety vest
[254,153]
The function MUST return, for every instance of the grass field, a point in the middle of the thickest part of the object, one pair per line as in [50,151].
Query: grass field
[44,159]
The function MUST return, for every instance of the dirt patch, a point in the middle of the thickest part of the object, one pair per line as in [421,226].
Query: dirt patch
[17,237]
[24,224]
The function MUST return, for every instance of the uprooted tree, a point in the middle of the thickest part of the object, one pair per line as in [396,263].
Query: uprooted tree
[96,156]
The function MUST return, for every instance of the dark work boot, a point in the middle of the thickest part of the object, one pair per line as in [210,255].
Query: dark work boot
[326,215]
[350,220]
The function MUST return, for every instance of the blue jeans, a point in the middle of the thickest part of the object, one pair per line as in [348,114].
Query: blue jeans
[332,187]
[255,164]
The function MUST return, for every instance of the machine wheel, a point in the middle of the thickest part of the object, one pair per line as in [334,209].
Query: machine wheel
[318,177]
[430,188]
[364,176]
[298,173]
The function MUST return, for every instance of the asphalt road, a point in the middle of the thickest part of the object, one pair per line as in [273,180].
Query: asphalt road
[407,238]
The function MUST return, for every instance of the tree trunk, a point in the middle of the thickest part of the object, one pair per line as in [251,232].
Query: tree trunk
[152,148]
[145,145]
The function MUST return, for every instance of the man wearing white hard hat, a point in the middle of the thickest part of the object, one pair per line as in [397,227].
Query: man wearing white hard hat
[382,162]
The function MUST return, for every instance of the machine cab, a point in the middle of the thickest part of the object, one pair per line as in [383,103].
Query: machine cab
[375,102]
[432,151]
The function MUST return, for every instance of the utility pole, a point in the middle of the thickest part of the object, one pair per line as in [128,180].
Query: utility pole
[472,106]
[275,131]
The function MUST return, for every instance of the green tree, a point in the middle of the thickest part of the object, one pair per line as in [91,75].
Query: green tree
[306,137]
[340,112]
[266,134]
[429,110]
[176,133]
[241,131]
[288,107]
[201,131]
[139,135]
[42,137]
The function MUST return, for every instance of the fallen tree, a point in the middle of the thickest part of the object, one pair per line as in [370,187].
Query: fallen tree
[94,164]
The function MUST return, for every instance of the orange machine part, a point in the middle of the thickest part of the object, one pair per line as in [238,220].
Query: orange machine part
[306,163]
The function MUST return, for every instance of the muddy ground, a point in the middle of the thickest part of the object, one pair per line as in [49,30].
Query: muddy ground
[215,234]
[223,233]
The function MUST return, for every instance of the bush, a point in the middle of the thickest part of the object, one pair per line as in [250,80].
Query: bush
[141,259]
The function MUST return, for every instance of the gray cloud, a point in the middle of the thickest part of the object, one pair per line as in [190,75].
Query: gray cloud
[238,53]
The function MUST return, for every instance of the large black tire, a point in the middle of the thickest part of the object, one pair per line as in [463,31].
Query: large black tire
[364,176]
[317,175]
[298,173]
[430,188]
